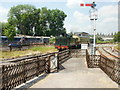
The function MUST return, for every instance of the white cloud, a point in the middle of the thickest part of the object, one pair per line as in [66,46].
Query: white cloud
[110,20]
[107,27]
[81,23]
[3,13]
[73,3]
[108,11]
[73,28]
[32,0]
[107,21]
[80,17]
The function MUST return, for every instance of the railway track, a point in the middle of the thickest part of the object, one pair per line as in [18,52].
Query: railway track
[114,53]
[106,53]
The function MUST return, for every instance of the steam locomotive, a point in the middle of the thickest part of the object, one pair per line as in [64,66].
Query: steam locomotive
[70,42]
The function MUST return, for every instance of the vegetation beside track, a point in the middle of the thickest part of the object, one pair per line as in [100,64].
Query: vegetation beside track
[102,42]
[118,46]
[32,50]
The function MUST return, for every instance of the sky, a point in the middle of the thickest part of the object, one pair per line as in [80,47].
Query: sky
[77,19]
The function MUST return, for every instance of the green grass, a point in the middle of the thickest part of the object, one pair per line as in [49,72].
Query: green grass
[98,41]
[118,46]
[32,50]
[43,49]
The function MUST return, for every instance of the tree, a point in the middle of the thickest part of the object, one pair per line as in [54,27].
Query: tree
[52,40]
[3,27]
[50,22]
[10,32]
[117,37]
[99,38]
[46,22]
[22,17]
[41,25]
[56,22]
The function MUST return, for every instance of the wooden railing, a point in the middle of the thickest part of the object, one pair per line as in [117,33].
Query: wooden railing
[76,53]
[110,67]
[20,72]
[63,55]
[93,61]
[28,68]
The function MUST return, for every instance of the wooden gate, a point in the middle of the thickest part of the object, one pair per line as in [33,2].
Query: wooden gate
[53,63]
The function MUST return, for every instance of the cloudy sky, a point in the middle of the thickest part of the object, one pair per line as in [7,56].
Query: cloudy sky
[77,17]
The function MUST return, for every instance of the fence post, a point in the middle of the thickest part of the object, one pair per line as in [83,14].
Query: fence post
[24,71]
[58,62]
[106,65]
[37,68]
[48,65]
[2,81]
[86,54]
[100,61]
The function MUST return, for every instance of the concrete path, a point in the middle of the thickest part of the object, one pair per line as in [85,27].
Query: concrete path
[75,74]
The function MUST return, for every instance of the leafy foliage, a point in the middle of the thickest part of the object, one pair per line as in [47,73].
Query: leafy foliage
[117,37]
[3,26]
[56,22]
[21,16]
[99,38]
[10,32]
[52,40]
[45,21]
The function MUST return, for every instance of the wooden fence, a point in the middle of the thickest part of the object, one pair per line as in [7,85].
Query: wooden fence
[75,53]
[110,67]
[28,68]
[63,56]
[93,61]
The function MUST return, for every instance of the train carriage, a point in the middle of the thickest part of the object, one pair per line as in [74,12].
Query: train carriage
[28,40]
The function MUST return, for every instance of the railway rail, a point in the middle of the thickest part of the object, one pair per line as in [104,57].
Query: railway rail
[113,52]
[108,54]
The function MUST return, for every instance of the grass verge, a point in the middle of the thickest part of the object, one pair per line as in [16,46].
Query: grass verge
[32,50]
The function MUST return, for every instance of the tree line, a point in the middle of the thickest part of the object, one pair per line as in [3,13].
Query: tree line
[29,20]
[116,36]
[106,35]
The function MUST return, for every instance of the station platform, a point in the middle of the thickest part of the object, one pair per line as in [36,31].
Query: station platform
[74,73]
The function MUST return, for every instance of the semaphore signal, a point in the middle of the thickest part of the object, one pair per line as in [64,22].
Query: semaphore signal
[85,4]
[93,18]
[93,5]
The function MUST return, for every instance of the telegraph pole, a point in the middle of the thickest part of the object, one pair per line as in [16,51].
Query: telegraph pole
[93,18]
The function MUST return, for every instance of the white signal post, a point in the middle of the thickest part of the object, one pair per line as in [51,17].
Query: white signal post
[93,18]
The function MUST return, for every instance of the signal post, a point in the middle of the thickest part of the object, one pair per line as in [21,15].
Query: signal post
[93,18]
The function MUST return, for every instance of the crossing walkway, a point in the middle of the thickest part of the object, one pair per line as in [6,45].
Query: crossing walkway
[75,74]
